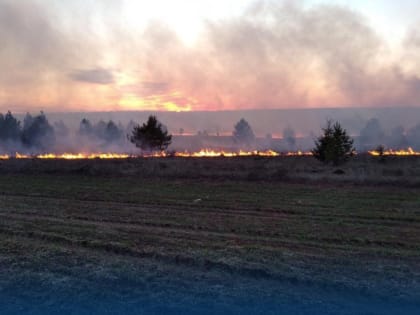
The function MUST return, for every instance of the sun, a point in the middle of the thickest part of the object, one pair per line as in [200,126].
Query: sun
[155,102]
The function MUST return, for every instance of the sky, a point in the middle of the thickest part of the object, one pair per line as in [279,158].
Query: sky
[186,55]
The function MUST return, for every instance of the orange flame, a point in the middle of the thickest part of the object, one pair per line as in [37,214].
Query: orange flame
[78,156]
[299,153]
[198,154]
[22,156]
[215,153]
[407,152]
[66,156]
[203,153]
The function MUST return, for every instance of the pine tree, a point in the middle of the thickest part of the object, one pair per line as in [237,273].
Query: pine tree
[243,133]
[38,133]
[10,128]
[334,145]
[151,136]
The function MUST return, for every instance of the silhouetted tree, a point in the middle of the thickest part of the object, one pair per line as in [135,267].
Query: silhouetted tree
[108,132]
[99,129]
[27,121]
[243,134]
[334,145]
[37,132]
[85,128]
[112,132]
[151,136]
[10,128]
[290,137]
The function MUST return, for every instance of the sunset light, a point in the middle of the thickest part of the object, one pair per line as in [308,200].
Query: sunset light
[210,157]
[208,55]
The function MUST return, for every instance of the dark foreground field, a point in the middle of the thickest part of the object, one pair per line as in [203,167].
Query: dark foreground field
[81,241]
[362,169]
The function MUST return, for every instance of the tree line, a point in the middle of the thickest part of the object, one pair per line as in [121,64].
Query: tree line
[373,135]
[35,132]
[38,134]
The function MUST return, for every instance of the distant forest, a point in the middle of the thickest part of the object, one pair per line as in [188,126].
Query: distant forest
[36,134]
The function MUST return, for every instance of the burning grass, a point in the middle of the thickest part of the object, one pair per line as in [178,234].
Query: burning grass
[110,155]
[203,153]
[399,152]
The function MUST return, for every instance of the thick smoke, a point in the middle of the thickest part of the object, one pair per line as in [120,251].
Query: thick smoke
[47,63]
[84,133]
[281,56]
[36,135]
[274,55]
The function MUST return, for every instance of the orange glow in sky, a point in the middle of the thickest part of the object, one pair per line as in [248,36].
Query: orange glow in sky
[208,55]
[154,102]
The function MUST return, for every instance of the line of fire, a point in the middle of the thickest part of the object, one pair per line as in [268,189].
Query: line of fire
[33,137]
[205,153]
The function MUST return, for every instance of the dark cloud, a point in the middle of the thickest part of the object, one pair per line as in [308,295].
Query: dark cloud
[95,76]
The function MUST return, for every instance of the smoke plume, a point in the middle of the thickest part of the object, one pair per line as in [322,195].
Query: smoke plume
[273,55]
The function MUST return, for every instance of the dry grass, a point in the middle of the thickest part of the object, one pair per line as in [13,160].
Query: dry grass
[362,169]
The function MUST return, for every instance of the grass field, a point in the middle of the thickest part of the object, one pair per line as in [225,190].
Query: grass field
[362,169]
[69,231]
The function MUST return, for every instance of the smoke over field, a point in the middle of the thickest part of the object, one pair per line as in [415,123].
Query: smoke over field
[81,55]
[279,130]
